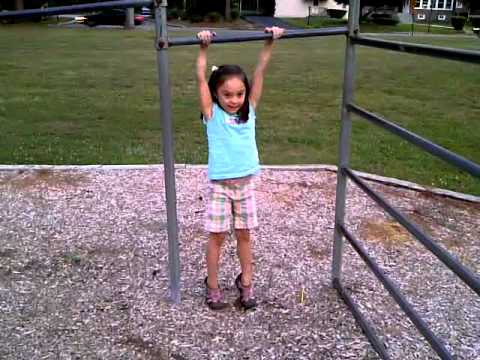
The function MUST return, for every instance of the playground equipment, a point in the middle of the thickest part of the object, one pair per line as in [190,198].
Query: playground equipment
[353,39]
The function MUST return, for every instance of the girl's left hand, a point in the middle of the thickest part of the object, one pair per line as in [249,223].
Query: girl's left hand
[276,31]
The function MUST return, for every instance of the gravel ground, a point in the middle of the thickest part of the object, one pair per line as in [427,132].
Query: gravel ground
[83,270]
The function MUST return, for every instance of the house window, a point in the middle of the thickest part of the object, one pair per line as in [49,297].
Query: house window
[435,4]
[422,4]
[442,4]
[421,16]
[315,2]
[442,17]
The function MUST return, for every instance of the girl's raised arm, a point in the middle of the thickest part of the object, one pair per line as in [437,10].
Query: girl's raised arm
[205,97]
[263,60]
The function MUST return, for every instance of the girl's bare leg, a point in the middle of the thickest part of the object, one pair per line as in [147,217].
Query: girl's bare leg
[244,249]
[214,247]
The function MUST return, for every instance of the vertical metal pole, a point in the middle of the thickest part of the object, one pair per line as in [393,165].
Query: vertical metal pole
[168,146]
[344,144]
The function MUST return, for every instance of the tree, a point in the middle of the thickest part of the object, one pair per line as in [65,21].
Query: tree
[269,7]
[19,5]
[228,10]
[473,5]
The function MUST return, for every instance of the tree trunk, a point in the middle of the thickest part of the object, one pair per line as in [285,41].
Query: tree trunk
[19,5]
[228,10]
[129,21]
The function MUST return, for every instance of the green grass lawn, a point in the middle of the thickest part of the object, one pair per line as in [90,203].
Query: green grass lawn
[83,96]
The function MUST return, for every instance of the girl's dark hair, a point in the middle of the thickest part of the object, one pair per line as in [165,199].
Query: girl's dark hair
[222,74]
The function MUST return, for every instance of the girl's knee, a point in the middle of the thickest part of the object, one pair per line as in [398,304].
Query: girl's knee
[217,238]
[242,235]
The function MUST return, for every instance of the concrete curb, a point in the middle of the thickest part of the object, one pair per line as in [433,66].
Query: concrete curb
[313,167]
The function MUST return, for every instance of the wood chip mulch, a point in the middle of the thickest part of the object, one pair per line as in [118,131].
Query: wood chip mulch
[84,273]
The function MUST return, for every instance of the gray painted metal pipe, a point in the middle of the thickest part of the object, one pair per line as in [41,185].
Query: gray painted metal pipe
[73,8]
[168,152]
[434,149]
[242,37]
[420,49]
[364,323]
[393,290]
[466,275]
[344,143]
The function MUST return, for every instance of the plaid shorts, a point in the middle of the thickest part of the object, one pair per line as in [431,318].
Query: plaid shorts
[231,197]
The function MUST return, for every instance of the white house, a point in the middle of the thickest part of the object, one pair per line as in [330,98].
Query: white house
[423,10]
[300,8]
[438,11]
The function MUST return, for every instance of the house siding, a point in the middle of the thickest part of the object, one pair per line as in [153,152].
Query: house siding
[299,8]
[422,15]
[433,16]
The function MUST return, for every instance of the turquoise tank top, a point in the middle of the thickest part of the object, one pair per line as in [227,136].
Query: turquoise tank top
[232,148]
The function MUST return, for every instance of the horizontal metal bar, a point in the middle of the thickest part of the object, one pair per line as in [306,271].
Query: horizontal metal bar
[421,325]
[468,277]
[73,8]
[420,49]
[242,37]
[432,148]
[364,323]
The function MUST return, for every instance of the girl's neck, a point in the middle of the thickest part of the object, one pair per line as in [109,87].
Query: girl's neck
[228,112]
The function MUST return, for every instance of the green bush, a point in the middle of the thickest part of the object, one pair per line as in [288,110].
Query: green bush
[195,18]
[213,16]
[458,22]
[384,18]
[181,14]
[336,13]
[172,14]
[475,21]
[269,7]
[235,14]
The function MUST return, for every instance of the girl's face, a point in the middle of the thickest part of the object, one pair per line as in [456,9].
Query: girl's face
[231,94]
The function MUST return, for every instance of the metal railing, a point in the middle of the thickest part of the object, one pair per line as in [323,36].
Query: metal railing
[162,45]
[73,9]
[344,173]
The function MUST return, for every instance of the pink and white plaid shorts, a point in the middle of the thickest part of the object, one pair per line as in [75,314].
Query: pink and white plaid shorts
[231,197]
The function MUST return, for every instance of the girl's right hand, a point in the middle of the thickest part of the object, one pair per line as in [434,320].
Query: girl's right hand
[206,37]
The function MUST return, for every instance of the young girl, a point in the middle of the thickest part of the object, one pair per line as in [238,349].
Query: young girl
[228,104]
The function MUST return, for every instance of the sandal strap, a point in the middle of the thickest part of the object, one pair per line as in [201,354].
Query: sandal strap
[214,295]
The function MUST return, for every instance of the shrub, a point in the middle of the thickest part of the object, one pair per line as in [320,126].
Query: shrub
[213,16]
[235,14]
[172,14]
[336,13]
[458,22]
[269,7]
[195,18]
[475,21]
[385,19]
[181,14]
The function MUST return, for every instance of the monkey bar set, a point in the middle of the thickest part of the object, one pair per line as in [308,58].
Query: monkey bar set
[353,39]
